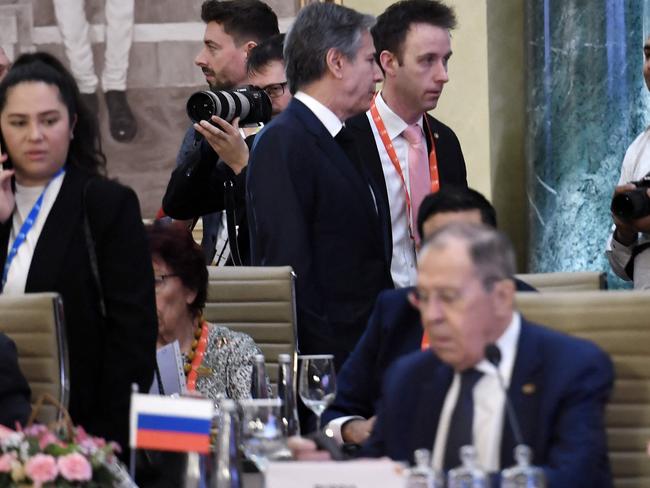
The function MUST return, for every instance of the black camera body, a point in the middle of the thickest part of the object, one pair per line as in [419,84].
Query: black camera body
[633,204]
[251,104]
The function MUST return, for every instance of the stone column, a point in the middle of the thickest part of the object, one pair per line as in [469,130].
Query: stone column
[586,103]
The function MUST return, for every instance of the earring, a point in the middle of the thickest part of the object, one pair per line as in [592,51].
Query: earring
[71,135]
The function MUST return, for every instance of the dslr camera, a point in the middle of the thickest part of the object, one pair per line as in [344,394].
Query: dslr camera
[251,104]
[633,204]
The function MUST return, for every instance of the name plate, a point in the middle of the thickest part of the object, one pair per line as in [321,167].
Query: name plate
[335,474]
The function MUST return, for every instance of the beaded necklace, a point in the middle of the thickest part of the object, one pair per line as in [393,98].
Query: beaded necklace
[194,359]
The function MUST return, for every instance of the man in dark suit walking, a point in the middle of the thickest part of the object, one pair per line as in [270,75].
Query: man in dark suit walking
[407,152]
[450,396]
[310,203]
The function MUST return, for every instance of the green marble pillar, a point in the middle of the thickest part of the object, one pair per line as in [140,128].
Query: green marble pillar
[586,103]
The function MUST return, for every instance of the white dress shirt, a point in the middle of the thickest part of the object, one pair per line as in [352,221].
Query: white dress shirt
[489,404]
[636,165]
[328,118]
[403,264]
[26,197]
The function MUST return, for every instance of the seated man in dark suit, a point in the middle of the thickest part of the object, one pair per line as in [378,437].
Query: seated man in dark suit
[14,391]
[394,328]
[449,396]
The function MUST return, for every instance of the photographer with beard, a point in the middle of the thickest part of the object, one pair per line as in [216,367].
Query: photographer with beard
[213,156]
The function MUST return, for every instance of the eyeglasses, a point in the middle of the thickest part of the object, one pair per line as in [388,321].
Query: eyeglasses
[275,90]
[160,280]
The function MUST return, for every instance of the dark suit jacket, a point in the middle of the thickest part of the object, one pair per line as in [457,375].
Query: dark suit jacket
[105,356]
[14,391]
[394,330]
[196,188]
[562,420]
[310,207]
[451,164]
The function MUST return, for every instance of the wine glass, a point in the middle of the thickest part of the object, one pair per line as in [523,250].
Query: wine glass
[317,382]
[264,436]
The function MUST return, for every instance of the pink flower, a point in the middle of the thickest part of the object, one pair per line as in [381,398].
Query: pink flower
[41,468]
[80,434]
[4,432]
[6,461]
[46,438]
[75,467]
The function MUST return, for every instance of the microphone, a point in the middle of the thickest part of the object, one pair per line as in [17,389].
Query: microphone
[493,355]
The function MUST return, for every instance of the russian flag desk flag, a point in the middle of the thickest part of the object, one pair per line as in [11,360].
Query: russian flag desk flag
[170,424]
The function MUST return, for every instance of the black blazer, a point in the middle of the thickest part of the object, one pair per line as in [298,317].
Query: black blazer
[106,356]
[196,188]
[451,164]
[310,207]
[14,391]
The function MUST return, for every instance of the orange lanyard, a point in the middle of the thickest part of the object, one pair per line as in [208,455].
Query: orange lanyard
[390,150]
[425,342]
[198,357]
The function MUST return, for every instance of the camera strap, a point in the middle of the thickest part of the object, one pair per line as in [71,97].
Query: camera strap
[629,268]
[229,203]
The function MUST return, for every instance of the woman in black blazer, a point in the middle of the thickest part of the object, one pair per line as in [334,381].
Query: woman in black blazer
[83,238]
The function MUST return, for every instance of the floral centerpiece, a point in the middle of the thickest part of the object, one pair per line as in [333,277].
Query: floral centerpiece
[37,456]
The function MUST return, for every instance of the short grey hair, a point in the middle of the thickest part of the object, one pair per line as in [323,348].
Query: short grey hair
[490,250]
[318,28]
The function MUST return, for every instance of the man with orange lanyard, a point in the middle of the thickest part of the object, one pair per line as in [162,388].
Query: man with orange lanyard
[407,152]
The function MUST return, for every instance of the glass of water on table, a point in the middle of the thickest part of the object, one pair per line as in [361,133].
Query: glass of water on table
[317,383]
[263,433]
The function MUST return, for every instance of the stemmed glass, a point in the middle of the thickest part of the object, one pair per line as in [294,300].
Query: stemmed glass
[264,436]
[317,385]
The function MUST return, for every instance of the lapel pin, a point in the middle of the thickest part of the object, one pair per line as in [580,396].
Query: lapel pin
[528,388]
[435,135]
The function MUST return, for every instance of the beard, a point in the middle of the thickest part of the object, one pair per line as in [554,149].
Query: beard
[221,86]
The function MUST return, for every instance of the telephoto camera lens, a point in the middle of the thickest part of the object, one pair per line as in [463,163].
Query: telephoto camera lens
[249,103]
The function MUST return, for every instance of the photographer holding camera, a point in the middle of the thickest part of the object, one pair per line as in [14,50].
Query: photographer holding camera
[213,153]
[628,248]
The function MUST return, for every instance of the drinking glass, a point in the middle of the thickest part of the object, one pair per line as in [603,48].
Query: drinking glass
[317,385]
[263,433]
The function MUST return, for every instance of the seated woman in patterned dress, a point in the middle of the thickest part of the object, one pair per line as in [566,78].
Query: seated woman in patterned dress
[218,361]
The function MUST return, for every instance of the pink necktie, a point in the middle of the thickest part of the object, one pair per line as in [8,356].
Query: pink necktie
[419,178]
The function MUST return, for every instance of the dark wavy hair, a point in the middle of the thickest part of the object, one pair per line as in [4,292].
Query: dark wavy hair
[389,33]
[452,198]
[173,244]
[85,151]
[264,53]
[243,20]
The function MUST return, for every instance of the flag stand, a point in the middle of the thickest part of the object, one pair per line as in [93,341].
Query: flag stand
[134,389]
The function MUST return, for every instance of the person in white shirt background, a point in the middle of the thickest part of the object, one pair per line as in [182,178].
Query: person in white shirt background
[628,247]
